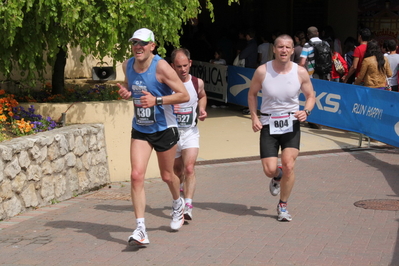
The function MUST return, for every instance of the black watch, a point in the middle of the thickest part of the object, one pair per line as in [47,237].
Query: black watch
[159,101]
[307,112]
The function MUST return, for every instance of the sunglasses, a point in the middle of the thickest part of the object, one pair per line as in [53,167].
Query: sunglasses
[141,43]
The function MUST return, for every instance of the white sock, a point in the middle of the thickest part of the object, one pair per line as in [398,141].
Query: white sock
[189,201]
[140,222]
[176,203]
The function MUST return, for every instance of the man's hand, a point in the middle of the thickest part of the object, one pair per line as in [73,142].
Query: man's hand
[123,92]
[301,115]
[148,100]
[202,115]
[256,124]
[176,108]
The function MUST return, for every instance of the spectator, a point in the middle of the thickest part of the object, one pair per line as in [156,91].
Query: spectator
[335,74]
[241,42]
[250,52]
[363,37]
[393,58]
[375,68]
[308,59]
[218,58]
[263,49]
[327,33]
[240,46]
[348,50]
[384,48]
[300,40]
[226,46]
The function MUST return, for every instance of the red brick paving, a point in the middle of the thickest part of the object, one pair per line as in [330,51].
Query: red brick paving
[234,220]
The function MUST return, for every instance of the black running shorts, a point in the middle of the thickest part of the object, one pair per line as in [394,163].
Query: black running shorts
[270,144]
[161,141]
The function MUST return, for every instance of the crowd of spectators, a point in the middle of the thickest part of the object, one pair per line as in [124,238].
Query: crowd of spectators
[250,48]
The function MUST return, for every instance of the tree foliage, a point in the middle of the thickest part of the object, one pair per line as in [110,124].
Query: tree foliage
[35,31]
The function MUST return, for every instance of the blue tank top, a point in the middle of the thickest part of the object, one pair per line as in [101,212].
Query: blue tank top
[156,118]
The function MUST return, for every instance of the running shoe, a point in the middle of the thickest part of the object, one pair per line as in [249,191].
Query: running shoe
[188,212]
[138,237]
[177,216]
[282,213]
[274,186]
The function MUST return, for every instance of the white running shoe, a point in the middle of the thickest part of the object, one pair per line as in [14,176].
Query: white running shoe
[138,237]
[282,213]
[188,212]
[274,186]
[177,216]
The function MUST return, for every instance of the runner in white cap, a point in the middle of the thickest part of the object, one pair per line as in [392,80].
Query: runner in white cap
[155,88]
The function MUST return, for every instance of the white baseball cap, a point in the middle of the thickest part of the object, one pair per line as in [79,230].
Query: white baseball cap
[143,34]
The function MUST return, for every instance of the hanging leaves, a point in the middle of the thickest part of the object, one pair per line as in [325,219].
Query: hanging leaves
[33,30]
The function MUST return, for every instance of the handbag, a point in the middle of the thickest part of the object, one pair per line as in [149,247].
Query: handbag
[387,86]
[238,62]
[338,66]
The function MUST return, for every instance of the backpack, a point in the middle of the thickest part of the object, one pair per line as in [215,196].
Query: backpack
[322,57]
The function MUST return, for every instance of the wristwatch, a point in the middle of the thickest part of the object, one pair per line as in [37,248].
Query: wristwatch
[159,101]
[307,112]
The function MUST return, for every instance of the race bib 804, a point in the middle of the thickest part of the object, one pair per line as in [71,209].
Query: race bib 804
[280,124]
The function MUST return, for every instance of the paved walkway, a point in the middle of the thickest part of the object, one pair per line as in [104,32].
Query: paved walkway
[234,218]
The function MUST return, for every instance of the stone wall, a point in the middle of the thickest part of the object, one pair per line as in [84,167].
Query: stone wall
[51,166]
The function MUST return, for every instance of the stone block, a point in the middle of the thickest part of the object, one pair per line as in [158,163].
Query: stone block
[34,172]
[47,188]
[58,165]
[24,160]
[12,168]
[53,151]
[18,183]
[59,185]
[70,159]
[12,207]
[6,190]
[29,196]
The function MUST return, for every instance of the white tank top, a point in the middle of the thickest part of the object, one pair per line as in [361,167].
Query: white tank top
[280,92]
[187,116]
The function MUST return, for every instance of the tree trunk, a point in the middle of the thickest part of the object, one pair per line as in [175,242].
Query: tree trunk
[58,78]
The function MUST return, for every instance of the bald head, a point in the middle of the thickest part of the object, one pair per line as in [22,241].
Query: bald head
[179,51]
[313,32]
[283,37]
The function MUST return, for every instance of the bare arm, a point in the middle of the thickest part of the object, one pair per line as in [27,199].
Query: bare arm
[352,69]
[307,90]
[123,92]
[388,69]
[166,74]
[202,101]
[255,87]
[302,61]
